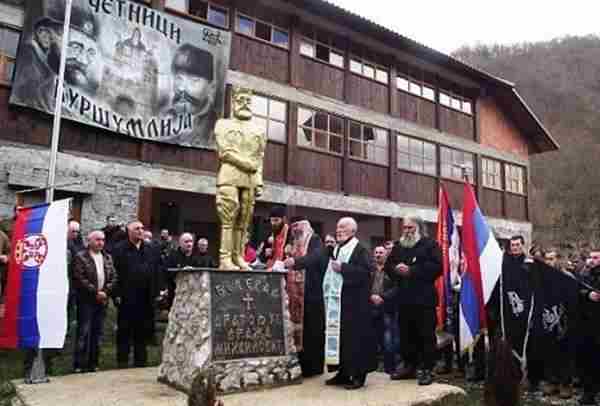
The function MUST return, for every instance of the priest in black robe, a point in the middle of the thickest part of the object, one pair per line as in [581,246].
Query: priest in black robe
[351,349]
[309,262]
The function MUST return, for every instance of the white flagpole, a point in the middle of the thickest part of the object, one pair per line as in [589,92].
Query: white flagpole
[37,372]
[58,103]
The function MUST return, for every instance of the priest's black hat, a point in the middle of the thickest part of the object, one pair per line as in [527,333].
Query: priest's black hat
[296,219]
[277,211]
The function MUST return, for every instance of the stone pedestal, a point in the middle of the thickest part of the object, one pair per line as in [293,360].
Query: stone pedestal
[233,322]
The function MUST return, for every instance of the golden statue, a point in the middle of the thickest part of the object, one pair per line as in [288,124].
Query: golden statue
[241,149]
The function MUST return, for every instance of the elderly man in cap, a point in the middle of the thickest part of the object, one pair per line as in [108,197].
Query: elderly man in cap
[305,290]
[194,89]
[39,58]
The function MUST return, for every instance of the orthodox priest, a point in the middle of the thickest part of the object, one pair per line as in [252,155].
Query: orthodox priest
[279,237]
[305,290]
[349,333]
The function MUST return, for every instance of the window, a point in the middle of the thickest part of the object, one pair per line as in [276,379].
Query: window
[416,87]
[322,51]
[369,143]
[416,155]
[456,102]
[492,175]
[369,70]
[204,10]
[271,115]
[262,30]
[9,41]
[453,161]
[515,179]
[320,130]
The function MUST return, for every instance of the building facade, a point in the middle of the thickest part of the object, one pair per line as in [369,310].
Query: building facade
[360,121]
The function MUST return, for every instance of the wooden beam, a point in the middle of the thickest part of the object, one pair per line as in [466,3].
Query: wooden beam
[294,52]
[393,167]
[291,147]
[144,213]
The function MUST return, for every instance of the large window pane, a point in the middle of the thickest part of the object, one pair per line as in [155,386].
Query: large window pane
[429,167]
[445,99]
[356,148]
[382,138]
[429,151]
[382,76]
[9,41]
[218,16]
[355,66]
[259,105]
[402,142]
[305,117]
[199,9]
[321,140]
[369,71]
[403,161]
[416,148]
[336,59]
[280,38]
[335,144]
[355,132]
[245,25]
[179,5]
[428,93]
[277,131]
[307,49]
[260,122]
[402,84]
[322,53]
[336,125]
[263,31]
[305,137]
[415,88]
[321,121]
[277,110]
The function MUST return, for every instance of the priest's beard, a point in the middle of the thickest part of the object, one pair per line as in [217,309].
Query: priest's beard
[277,229]
[410,240]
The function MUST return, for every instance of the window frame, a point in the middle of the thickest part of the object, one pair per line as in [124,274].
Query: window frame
[314,43]
[210,5]
[268,118]
[508,178]
[365,143]
[472,175]
[375,66]
[5,59]
[485,173]
[408,153]
[253,35]
[415,82]
[328,133]
[453,97]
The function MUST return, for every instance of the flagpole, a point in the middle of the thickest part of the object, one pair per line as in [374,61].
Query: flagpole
[58,104]
[37,372]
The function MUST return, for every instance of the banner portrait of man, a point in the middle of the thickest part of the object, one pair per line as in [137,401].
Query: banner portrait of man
[130,69]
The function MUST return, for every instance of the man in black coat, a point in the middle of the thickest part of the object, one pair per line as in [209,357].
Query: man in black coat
[415,263]
[309,262]
[182,257]
[351,349]
[138,268]
[590,326]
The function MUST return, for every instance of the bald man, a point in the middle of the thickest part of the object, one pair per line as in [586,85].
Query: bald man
[139,270]
[349,332]
[93,278]
[182,257]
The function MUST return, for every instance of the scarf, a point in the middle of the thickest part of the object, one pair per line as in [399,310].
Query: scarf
[332,294]
[278,247]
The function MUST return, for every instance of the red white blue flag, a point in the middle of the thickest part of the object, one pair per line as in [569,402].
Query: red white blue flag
[37,284]
[449,241]
[483,259]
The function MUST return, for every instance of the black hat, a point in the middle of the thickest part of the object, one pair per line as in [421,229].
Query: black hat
[296,219]
[194,61]
[82,18]
[277,211]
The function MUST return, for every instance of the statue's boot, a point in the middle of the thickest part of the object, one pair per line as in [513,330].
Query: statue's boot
[238,250]
[226,250]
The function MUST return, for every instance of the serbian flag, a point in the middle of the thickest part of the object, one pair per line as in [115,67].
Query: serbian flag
[449,241]
[37,284]
[483,259]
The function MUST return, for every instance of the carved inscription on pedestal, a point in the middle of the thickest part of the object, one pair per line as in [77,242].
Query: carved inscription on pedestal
[246,315]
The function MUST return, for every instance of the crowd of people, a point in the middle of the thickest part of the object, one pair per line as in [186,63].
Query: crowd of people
[358,307]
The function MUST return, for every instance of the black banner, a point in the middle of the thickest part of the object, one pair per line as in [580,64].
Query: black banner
[130,69]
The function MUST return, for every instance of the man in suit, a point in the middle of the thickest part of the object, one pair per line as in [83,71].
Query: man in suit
[93,278]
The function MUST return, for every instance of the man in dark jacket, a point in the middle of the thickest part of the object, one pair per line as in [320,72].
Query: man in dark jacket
[415,264]
[93,278]
[308,264]
[590,328]
[138,269]
[349,332]
[182,257]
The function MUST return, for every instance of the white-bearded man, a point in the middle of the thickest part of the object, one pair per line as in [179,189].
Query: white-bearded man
[415,263]
[305,289]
